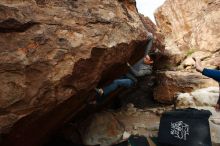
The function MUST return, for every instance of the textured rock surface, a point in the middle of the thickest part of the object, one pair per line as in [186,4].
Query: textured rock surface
[102,128]
[188,31]
[158,36]
[52,50]
[187,34]
[170,83]
[200,97]
[107,128]
[139,121]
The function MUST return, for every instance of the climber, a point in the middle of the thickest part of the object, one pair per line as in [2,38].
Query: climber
[141,68]
[212,73]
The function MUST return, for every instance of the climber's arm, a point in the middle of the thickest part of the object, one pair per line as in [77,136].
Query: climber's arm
[212,73]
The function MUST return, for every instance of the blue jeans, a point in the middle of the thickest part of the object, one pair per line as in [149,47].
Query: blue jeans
[122,82]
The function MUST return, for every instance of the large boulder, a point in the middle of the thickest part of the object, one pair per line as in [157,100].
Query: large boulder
[102,128]
[188,34]
[200,97]
[171,83]
[106,128]
[52,51]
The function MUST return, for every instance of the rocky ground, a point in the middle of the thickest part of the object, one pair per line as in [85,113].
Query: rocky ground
[138,116]
[145,121]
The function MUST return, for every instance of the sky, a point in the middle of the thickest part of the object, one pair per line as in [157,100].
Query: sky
[147,7]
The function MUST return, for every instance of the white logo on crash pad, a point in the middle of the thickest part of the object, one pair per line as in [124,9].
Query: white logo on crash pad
[179,130]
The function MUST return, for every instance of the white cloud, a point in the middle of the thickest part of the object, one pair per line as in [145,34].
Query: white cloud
[147,7]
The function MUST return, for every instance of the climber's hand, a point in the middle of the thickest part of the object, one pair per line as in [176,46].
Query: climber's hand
[128,64]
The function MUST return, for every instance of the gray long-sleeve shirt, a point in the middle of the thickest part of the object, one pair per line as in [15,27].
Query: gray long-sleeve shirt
[150,39]
[139,69]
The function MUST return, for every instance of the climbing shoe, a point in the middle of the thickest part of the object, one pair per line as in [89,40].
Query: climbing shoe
[99,91]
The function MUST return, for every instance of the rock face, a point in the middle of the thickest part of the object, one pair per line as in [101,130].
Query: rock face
[200,97]
[170,83]
[53,50]
[187,34]
[107,128]
[103,128]
[158,36]
[190,31]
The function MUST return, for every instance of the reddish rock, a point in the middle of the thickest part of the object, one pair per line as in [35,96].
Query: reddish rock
[170,83]
[158,36]
[52,51]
